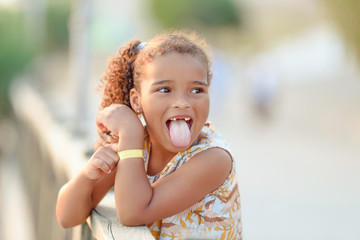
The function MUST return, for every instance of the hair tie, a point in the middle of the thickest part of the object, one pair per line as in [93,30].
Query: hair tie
[141,46]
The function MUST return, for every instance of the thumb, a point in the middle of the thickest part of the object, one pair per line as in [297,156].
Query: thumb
[114,147]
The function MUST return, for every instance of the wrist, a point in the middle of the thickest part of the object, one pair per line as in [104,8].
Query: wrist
[131,141]
[137,132]
[128,145]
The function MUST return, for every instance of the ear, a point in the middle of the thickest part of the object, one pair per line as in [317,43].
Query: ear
[135,100]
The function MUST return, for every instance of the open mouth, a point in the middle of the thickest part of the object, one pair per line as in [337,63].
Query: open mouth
[179,129]
[187,120]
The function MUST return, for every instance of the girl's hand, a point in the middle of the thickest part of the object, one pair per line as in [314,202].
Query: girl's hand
[121,121]
[103,161]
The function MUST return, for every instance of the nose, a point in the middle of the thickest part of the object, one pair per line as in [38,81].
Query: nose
[181,101]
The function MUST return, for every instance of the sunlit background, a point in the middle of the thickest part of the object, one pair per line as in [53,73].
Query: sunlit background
[285,94]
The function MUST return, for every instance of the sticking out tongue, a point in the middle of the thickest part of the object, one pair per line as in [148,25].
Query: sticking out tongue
[179,133]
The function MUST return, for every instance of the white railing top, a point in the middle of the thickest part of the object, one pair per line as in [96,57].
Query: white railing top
[66,152]
[68,155]
[105,224]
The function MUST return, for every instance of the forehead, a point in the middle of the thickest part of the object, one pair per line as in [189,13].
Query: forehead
[174,66]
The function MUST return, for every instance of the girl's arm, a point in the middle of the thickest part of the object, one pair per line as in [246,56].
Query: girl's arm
[138,202]
[82,193]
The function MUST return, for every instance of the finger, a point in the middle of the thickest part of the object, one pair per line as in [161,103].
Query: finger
[112,155]
[99,120]
[102,127]
[100,124]
[101,164]
[111,158]
[111,149]
[114,147]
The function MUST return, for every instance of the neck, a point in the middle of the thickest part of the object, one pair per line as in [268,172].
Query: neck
[158,158]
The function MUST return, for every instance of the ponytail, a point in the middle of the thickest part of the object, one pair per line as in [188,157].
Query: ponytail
[118,79]
[116,84]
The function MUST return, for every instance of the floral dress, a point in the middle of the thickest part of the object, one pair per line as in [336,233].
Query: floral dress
[217,215]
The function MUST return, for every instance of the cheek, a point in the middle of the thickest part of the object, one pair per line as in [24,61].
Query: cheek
[206,104]
[203,108]
[152,109]
[149,104]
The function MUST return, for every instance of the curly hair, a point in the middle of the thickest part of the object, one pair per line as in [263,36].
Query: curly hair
[125,70]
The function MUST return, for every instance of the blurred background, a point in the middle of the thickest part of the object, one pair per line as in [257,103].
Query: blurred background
[285,94]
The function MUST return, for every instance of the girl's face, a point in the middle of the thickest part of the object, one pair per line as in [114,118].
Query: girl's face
[174,99]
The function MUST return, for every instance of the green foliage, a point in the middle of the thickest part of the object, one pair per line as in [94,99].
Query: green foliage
[14,53]
[193,13]
[57,34]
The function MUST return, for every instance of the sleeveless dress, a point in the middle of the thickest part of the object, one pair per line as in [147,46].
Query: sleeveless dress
[217,215]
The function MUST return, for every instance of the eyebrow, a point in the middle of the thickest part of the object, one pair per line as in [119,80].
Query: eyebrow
[161,82]
[201,83]
[194,82]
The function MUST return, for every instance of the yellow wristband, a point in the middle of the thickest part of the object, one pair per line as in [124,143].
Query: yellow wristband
[132,153]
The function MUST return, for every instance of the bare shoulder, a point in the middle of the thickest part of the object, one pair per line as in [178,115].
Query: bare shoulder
[216,153]
[213,161]
[202,174]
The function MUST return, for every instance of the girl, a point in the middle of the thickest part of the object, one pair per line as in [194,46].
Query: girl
[177,174]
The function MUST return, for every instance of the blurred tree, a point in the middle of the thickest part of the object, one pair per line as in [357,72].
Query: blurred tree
[347,17]
[14,55]
[16,52]
[57,34]
[194,14]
